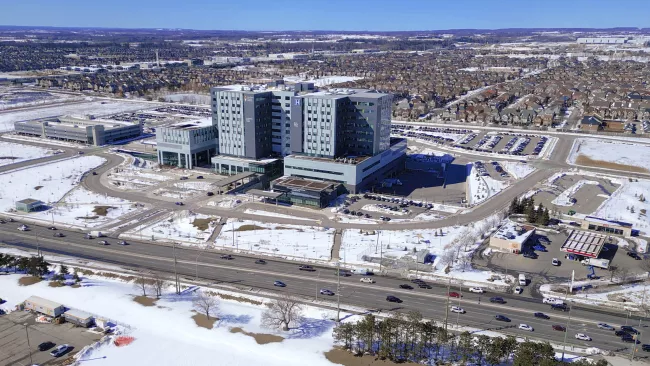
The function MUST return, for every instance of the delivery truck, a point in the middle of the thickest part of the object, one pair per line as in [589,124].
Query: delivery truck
[600,263]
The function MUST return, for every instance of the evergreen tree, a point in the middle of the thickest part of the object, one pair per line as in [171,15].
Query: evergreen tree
[546,217]
[539,214]
[514,206]
[64,270]
[531,215]
[533,353]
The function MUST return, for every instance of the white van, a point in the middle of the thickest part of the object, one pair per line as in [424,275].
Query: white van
[522,279]
[552,301]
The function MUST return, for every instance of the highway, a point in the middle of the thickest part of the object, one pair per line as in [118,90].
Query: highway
[242,272]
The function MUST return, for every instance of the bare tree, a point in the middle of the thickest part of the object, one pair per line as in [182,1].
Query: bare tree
[205,304]
[142,284]
[158,283]
[448,258]
[621,273]
[465,261]
[645,265]
[282,313]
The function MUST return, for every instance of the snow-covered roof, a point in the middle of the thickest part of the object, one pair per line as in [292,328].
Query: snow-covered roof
[77,314]
[192,125]
[514,232]
[43,302]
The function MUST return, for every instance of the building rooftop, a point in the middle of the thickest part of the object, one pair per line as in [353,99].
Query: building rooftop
[246,160]
[78,314]
[193,125]
[514,232]
[29,201]
[302,183]
[598,220]
[44,302]
[341,93]
[585,243]
[350,160]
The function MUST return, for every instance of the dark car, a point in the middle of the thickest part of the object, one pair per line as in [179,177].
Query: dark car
[559,328]
[530,255]
[417,280]
[498,300]
[94,173]
[634,255]
[260,261]
[502,318]
[560,307]
[628,329]
[227,256]
[424,285]
[628,338]
[179,203]
[541,316]
[454,294]
[406,287]
[199,177]
[210,194]
[620,333]
[45,346]
[645,347]
[52,228]
[306,268]
[58,235]
[393,299]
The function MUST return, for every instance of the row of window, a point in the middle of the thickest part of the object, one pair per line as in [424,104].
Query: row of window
[313,170]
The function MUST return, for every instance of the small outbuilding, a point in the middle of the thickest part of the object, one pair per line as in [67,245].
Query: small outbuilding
[79,318]
[44,306]
[29,205]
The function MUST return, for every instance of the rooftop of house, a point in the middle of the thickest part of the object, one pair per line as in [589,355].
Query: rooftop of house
[514,232]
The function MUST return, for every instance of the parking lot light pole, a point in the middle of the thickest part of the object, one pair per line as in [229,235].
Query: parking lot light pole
[29,347]
[566,330]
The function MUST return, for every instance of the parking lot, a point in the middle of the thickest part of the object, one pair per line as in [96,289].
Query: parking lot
[540,270]
[586,200]
[504,143]
[14,346]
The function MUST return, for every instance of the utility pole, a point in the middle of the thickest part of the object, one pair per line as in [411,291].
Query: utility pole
[460,293]
[566,294]
[176,282]
[318,279]
[338,292]
[29,347]
[447,304]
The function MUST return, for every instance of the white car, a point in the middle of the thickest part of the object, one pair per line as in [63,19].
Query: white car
[555,262]
[60,350]
[367,280]
[552,301]
[103,242]
[123,242]
[583,337]
[23,228]
[526,327]
[327,292]
[478,290]
[518,290]
[457,309]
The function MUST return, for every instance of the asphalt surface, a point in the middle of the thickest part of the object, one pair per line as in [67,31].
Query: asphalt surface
[242,272]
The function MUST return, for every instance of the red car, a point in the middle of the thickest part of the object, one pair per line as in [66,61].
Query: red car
[454,294]
[559,328]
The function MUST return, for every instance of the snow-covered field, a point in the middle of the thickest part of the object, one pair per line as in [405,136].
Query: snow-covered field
[47,183]
[618,152]
[11,153]
[629,204]
[273,214]
[96,108]
[277,239]
[180,227]
[516,169]
[481,188]
[166,334]
[227,203]
[564,199]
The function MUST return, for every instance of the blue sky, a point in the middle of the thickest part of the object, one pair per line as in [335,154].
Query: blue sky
[354,15]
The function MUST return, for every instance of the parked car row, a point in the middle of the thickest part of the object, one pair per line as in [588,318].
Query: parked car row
[465,140]
[505,149]
[519,147]
[480,168]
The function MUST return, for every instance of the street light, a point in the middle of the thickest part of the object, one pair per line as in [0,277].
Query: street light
[29,347]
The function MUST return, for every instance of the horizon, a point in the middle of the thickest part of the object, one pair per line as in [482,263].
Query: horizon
[334,15]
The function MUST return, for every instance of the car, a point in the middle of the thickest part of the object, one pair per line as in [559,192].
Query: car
[417,280]
[559,328]
[477,290]
[502,318]
[88,236]
[645,347]
[227,256]
[23,228]
[424,285]
[393,299]
[327,292]
[58,235]
[498,300]
[541,315]
[260,261]
[634,255]
[628,329]
[605,326]
[52,228]
[518,290]
[45,346]
[582,337]
[525,327]
[10,220]
[406,287]
[179,203]
[628,338]
[454,294]
[60,350]
[530,255]
[279,284]
[306,268]
[552,300]
[367,280]
[2,221]
[620,333]
[555,262]
[184,178]
[103,242]
[199,177]
[560,307]
[457,309]
[123,242]
[342,272]
[80,152]
[210,194]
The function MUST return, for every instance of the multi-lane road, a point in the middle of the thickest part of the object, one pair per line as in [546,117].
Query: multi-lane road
[244,273]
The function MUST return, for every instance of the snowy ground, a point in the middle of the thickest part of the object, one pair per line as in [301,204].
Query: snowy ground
[274,214]
[227,203]
[79,208]
[47,183]
[376,208]
[481,188]
[179,227]
[97,108]
[629,204]
[166,335]
[516,169]
[564,199]
[11,153]
[299,241]
[618,152]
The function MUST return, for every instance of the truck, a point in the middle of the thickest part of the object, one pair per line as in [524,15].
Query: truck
[362,271]
[522,279]
[600,263]
[96,234]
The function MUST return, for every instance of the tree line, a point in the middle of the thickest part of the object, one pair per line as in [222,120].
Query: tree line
[35,265]
[408,337]
[526,206]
